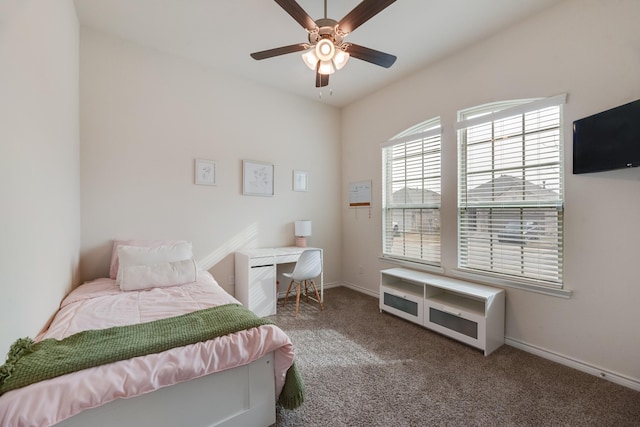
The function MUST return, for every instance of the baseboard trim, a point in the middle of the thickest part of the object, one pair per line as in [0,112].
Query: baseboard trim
[575,364]
[360,289]
[605,374]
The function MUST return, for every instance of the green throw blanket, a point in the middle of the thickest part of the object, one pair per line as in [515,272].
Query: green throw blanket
[29,362]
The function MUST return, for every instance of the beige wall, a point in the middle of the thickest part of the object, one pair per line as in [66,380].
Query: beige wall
[588,49]
[145,117]
[39,163]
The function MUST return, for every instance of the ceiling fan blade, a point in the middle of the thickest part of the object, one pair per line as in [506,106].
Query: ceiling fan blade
[322,80]
[264,54]
[360,14]
[371,55]
[297,13]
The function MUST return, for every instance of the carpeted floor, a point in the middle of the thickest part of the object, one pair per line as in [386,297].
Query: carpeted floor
[366,368]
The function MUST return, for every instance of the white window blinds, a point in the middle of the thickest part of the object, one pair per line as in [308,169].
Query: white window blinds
[411,194]
[510,195]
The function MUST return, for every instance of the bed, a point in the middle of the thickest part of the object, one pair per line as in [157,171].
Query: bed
[233,379]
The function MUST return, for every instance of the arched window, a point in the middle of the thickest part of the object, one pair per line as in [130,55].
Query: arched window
[411,194]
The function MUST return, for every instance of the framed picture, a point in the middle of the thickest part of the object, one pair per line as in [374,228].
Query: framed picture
[257,178]
[300,181]
[205,172]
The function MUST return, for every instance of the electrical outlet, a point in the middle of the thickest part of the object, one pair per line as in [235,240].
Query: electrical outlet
[360,269]
[232,279]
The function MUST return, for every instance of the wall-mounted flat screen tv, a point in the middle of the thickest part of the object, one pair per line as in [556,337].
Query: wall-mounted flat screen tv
[607,140]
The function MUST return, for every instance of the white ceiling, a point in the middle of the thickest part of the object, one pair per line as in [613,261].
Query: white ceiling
[221,34]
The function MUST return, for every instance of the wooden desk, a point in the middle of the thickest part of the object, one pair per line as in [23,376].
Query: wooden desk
[256,276]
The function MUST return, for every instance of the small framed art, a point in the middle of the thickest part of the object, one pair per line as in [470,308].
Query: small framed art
[300,181]
[205,172]
[257,178]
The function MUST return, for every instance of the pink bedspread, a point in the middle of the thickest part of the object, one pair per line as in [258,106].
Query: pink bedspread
[100,304]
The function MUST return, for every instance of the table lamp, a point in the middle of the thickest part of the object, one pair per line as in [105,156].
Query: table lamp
[302,231]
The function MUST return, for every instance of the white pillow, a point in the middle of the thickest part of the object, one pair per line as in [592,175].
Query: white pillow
[140,255]
[138,277]
[113,267]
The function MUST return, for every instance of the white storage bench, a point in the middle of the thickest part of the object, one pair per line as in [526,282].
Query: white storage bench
[467,312]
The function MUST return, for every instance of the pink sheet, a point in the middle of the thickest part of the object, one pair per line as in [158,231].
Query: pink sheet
[100,304]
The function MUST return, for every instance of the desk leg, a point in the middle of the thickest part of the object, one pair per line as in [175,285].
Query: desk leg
[322,277]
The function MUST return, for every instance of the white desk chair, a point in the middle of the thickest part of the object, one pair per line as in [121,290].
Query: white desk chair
[308,267]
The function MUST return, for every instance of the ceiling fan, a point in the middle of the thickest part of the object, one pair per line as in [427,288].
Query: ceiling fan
[326,50]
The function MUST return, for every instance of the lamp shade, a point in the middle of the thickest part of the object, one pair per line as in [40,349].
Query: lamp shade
[340,59]
[303,228]
[326,68]
[310,58]
[325,50]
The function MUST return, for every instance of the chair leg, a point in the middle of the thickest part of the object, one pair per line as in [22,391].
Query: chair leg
[306,290]
[303,286]
[313,285]
[287,294]
[298,297]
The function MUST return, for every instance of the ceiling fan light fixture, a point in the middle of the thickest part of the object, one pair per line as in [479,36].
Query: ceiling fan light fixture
[340,59]
[326,68]
[325,50]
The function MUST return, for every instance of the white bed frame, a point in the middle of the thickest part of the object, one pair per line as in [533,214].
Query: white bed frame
[242,396]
